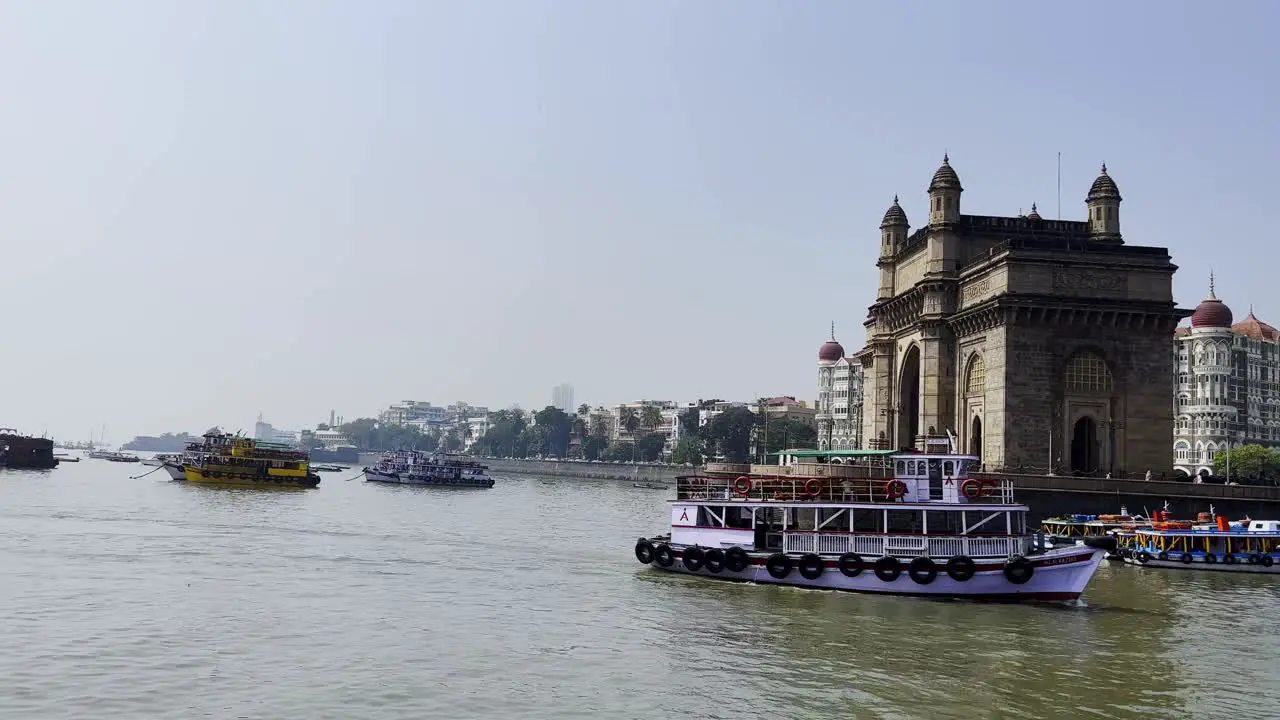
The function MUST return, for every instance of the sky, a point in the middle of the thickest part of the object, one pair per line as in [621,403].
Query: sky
[214,209]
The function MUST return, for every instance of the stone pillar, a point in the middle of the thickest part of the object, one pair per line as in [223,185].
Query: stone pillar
[878,395]
[937,393]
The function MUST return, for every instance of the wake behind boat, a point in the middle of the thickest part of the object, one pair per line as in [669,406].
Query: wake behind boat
[917,524]
[411,467]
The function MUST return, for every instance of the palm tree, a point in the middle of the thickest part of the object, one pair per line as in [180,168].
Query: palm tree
[584,409]
[650,417]
[629,420]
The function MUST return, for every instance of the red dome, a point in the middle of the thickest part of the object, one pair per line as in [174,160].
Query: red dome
[830,351]
[1212,313]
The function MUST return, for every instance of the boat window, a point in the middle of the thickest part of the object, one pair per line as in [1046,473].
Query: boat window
[902,468]
[948,468]
[904,521]
[935,469]
[913,468]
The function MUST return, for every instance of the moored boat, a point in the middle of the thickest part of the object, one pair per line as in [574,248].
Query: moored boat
[412,467]
[1249,546]
[1071,528]
[914,524]
[239,461]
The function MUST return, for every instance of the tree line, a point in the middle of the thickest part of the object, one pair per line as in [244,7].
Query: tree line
[369,434]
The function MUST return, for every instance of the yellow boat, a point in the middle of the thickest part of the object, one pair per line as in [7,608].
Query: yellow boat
[245,462]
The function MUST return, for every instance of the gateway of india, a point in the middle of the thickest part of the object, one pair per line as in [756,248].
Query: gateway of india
[1029,339]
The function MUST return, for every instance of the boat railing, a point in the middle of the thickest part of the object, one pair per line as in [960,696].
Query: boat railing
[837,489]
[874,545]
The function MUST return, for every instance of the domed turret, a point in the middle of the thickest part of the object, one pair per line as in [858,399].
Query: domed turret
[1103,202]
[1211,312]
[944,194]
[1033,215]
[831,351]
[945,177]
[895,216]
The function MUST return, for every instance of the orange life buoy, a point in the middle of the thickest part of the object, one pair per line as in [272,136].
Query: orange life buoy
[895,489]
[990,488]
[812,487]
[742,486]
[971,489]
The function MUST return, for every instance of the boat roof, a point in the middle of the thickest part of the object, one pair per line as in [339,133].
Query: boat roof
[932,506]
[811,453]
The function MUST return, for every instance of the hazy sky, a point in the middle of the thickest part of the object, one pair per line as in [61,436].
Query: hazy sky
[211,209]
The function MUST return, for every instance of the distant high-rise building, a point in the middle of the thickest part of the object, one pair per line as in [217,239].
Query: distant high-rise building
[562,397]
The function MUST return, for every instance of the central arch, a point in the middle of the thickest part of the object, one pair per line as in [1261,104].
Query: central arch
[1084,445]
[909,399]
[975,436]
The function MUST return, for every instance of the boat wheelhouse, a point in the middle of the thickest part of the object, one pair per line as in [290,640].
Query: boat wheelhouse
[412,467]
[1251,546]
[910,523]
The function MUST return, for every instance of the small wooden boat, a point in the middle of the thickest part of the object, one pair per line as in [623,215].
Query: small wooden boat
[650,486]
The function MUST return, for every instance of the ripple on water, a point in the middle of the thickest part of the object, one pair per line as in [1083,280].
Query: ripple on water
[126,598]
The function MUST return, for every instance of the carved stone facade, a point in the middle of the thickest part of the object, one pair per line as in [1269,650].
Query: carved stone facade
[1033,340]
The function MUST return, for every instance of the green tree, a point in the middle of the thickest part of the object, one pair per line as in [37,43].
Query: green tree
[594,447]
[600,427]
[687,450]
[650,417]
[452,441]
[649,447]
[730,431]
[584,409]
[689,422]
[620,452]
[558,425]
[786,434]
[629,420]
[1250,464]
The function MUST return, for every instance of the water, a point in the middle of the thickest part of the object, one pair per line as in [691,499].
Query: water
[126,598]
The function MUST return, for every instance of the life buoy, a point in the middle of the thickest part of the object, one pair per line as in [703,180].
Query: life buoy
[887,568]
[922,570]
[644,552]
[664,556]
[811,566]
[961,568]
[1210,558]
[812,487]
[850,564]
[1163,556]
[895,489]
[1230,559]
[1143,556]
[778,565]
[1185,559]
[693,557]
[1266,561]
[742,486]
[1019,570]
[971,489]
[736,559]
[714,560]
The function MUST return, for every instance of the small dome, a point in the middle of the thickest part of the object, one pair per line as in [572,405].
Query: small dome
[1212,312]
[945,178]
[1103,188]
[894,215]
[830,351]
[1252,327]
[1033,215]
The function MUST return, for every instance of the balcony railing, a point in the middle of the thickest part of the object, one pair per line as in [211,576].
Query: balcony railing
[830,489]
[903,546]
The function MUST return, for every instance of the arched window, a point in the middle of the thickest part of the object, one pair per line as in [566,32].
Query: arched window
[1088,373]
[975,378]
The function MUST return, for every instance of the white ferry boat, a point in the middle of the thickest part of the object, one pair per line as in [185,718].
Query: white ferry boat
[411,467]
[889,523]
[1250,546]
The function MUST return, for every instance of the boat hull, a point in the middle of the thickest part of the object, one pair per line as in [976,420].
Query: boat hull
[176,472]
[195,475]
[1198,563]
[475,480]
[1059,576]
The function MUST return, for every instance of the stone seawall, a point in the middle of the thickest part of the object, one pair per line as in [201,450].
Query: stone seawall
[587,470]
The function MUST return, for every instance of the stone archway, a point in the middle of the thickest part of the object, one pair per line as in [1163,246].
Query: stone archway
[1084,445]
[975,436]
[909,399]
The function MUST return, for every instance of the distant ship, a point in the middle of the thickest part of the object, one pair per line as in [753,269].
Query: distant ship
[20,451]
[411,467]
